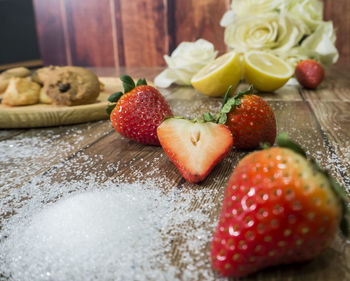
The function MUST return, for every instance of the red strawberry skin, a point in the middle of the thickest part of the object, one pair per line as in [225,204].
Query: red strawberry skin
[276,210]
[309,73]
[139,112]
[252,123]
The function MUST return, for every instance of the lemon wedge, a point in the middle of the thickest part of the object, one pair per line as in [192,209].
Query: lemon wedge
[265,71]
[215,78]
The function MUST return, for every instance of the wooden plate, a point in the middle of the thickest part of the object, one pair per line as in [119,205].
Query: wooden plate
[45,115]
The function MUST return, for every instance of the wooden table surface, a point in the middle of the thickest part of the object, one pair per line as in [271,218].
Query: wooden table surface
[318,120]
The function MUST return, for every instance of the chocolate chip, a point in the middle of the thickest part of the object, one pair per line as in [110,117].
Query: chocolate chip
[63,87]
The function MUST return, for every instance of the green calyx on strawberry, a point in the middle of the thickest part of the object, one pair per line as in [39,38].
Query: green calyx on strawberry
[138,111]
[279,208]
[250,119]
[194,146]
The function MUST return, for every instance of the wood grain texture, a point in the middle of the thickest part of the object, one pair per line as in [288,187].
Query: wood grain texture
[306,121]
[140,32]
[52,43]
[200,19]
[338,12]
[144,28]
[90,32]
[335,87]
[334,120]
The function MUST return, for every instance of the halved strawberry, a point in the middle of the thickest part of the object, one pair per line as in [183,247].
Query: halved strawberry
[194,146]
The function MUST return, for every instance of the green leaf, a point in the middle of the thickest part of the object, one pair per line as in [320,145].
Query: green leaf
[222,119]
[265,145]
[230,103]
[342,196]
[208,117]
[141,81]
[228,106]
[110,108]
[284,141]
[249,91]
[115,97]
[128,83]
[226,96]
[344,226]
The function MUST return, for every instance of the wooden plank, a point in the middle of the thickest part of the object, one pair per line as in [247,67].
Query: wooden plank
[338,13]
[334,121]
[144,29]
[335,87]
[49,25]
[286,93]
[200,19]
[90,32]
[63,142]
[135,72]
[7,134]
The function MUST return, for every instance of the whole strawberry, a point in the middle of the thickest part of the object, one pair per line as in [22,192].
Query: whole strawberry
[250,119]
[278,208]
[309,73]
[137,113]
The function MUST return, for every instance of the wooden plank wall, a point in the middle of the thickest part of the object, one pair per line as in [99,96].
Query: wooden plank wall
[140,32]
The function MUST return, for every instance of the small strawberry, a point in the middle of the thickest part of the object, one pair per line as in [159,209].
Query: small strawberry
[278,208]
[250,119]
[309,73]
[137,113]
[194,146]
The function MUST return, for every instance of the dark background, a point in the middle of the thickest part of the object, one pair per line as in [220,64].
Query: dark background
[18,34]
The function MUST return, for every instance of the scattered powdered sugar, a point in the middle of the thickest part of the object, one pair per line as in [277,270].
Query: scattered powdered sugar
[109,231]
[96,235]
[96,224]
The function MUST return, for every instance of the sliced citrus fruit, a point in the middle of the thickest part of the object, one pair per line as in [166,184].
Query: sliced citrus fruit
[215,78]
[265,71]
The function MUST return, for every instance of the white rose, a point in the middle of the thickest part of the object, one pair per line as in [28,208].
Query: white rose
[243,8]
[297,54]
[322,43]
[185,61]
[271,32]
[247,7]
[308,11]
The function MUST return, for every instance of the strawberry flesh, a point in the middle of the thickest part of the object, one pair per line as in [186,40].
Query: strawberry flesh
[194,147]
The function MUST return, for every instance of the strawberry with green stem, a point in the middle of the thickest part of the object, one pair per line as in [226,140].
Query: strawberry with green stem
[250,119]
[279,208]
[138,111]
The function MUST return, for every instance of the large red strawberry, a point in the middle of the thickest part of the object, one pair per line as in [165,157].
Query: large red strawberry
[250,119]
[309,73]
[137,113]
[194,146]
[278,208]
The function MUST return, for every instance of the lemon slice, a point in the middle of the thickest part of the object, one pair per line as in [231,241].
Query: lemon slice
[265,71]
[215,78]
